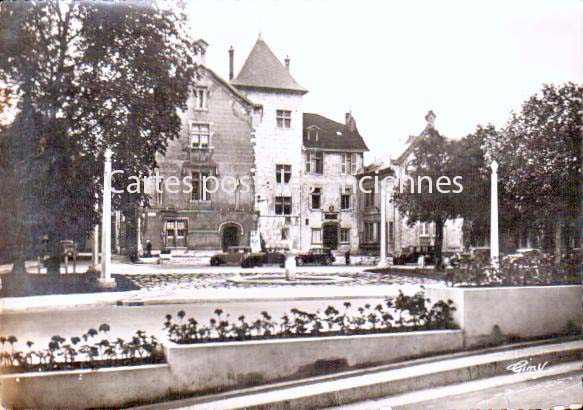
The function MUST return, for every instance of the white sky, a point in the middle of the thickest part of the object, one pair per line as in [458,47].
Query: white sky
[471,62]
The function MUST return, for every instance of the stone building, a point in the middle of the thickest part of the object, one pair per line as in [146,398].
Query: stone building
[264,80]
[215,148]
[332,155]
[399,235]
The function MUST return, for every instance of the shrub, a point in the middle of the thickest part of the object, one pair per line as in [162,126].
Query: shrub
[529,270]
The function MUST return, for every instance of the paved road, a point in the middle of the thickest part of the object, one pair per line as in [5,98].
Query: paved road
[125,320]
[564,390]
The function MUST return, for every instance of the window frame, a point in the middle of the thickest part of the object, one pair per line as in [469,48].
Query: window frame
[287,173]
[198,184]
[200,104]
[345,231]
[282,207]
[283,119]
[199,134]
[316,193]
[315,162]
[347,193]
[319,236]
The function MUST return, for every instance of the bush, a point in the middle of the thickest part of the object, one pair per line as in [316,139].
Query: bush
[400,314]
[529,270]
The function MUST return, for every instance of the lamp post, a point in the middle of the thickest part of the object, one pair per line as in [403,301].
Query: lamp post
[383,230]
[105,280]
[494,247]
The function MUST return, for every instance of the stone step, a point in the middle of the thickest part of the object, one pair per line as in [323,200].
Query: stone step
[391,380]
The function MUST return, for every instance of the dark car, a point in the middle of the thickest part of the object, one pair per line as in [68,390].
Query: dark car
[233,256]
[413,253]
[320,256]
[269,257]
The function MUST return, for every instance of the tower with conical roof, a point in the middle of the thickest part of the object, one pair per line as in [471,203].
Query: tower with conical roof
[278,143]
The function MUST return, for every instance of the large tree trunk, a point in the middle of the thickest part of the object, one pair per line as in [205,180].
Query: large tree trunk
[558,238]
[439,224]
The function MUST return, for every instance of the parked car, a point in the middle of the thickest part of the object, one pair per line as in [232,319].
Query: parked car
[523,253]
[413,253]
[321,256]
[269,257]
[233,256]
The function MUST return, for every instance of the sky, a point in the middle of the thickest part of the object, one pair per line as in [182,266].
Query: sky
[390,62]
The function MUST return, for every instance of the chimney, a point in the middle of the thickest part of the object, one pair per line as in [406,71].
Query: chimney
[231,62]
[430,118]
[350,122]
[287,62]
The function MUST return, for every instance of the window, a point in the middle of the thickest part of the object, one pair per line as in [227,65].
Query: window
[371,230]
[315,162]
[391,232]
[345,235]
[200,94]
[199,185]
[345,199]
[283,205]
[282,173]
[349,164]
[317,198]
[369,199]
[199,136]
[313,132]
[346,163]
[316,235]
[424,229]
[284,234]
[283,118]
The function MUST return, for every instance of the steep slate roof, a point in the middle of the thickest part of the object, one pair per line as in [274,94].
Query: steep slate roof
[328,137]
[262,69]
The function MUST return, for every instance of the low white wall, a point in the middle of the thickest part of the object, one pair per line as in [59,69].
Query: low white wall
[212,365]
[80,389]
[523,312]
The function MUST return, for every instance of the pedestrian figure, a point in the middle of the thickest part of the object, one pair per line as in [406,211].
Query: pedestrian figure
[347,257]
[148,249]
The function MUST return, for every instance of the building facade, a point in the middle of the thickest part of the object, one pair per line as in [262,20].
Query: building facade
[204,196]
[274,176]
[400,236]
[264,80]
[332,154]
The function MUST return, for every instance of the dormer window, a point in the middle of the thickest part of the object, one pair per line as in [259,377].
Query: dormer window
[200,136]
[200,98]
[313,133]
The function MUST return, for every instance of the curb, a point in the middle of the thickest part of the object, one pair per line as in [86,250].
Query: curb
[383,381]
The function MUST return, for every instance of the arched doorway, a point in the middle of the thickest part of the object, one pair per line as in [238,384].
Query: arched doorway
[230,235]
[330,235]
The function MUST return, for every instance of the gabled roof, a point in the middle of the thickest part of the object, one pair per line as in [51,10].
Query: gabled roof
[232,89]
[332,135]
[262,69]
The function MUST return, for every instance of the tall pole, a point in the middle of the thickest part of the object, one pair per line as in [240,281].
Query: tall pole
[105,280]
[494,246]
[383,233]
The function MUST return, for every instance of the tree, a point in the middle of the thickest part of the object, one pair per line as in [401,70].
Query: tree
[91,75]
[432,157]
[539,152]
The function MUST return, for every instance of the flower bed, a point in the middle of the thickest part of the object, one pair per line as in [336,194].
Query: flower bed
[85,352]
[400,314]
